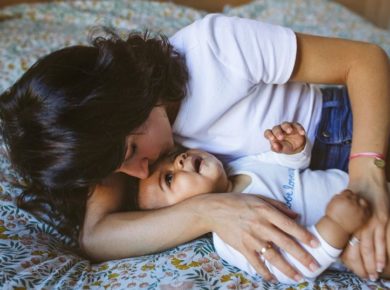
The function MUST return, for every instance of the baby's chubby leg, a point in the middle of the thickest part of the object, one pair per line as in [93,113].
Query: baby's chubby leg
[344,215]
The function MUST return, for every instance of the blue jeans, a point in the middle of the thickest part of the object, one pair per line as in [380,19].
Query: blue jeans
[333,139]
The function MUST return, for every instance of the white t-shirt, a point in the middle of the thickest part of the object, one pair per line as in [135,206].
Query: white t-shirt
[238,70]
[307,192]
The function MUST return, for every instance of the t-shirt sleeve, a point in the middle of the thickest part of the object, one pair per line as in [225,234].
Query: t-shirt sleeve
[300,160]
[259,52]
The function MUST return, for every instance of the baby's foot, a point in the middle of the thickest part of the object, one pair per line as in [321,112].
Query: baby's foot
[349,210]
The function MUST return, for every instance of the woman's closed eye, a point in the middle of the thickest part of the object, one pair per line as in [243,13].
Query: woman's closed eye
[168,178]
[133,150]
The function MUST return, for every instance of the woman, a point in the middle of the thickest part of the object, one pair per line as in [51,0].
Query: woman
[84,118]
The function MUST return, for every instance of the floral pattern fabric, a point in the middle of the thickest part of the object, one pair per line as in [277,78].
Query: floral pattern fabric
[34,255]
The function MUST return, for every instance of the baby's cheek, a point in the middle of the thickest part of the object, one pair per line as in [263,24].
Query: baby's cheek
[142,202]
[148,201]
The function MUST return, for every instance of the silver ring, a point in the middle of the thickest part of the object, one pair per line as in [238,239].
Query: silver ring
[354,241]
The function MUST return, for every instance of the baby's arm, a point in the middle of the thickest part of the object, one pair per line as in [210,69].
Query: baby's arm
[345,214]
[333,231]
[286,138]
[289,145]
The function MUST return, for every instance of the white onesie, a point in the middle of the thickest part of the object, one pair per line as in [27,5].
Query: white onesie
[307,192]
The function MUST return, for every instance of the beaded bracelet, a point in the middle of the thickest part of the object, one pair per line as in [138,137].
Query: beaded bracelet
[379,159]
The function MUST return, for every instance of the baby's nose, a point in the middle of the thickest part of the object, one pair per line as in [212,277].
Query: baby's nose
[180,159]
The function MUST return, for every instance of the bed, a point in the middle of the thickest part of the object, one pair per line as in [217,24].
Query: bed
[33,254]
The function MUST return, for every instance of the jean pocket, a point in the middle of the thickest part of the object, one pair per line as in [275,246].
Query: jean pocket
[335,126]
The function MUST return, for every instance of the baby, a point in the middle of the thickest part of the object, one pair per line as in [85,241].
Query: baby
[277,174]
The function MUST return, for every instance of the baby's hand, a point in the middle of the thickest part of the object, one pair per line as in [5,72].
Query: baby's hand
[287,138]
[349,210]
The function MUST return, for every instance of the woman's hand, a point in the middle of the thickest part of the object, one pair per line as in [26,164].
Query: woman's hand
[369,256]
[249,222]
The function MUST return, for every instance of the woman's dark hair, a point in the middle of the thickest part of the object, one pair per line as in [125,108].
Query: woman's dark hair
[65,120]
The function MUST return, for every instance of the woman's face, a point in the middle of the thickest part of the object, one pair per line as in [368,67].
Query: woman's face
[176,178]
[147,144]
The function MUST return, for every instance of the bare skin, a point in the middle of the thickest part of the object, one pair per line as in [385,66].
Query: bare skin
[344,215]
[364,68]
[195,172]
[365,178]
[282,143]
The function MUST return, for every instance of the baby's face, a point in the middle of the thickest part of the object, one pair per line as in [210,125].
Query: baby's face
[178,177]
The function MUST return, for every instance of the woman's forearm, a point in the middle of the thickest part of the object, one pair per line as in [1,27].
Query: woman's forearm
[246,222]
[364,69]
[368,82]
[124,234]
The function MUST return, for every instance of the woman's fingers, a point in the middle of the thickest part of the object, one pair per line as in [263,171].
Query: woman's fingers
[290,246]
[380,248]
[255,260]
[273,256]
[370,183]
[373,247]
[251,222]
[277,234]
[290,227]
[367,250]
[382,219]
[352,259]
[265,251]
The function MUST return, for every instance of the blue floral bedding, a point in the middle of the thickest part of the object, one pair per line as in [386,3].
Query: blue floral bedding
[34,255]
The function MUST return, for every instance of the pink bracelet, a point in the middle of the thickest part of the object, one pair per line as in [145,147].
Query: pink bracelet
[379,158]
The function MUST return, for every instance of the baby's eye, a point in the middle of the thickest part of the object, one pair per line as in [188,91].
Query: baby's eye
[168,178]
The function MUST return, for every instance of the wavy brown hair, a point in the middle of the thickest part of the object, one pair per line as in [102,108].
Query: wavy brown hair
[65,120]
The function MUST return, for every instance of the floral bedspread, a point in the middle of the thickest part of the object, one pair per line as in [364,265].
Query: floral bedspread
[34,255]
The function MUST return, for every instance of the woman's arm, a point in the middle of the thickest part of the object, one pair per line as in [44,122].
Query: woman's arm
[364,68]
[241,220]
[134,233]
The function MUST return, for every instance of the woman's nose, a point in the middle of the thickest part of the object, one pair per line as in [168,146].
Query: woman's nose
[139,168]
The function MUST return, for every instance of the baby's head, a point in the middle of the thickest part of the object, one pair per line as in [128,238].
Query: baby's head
[180,175]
